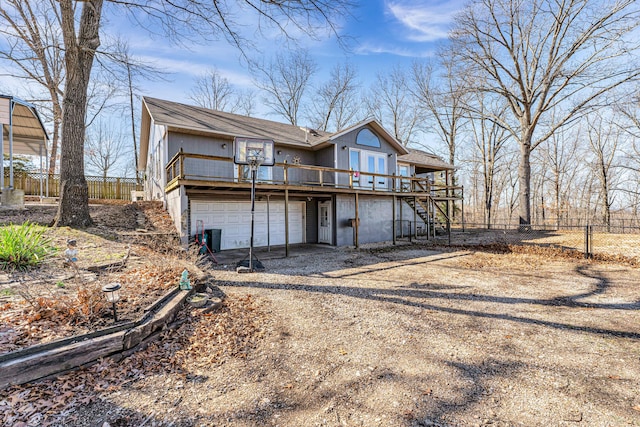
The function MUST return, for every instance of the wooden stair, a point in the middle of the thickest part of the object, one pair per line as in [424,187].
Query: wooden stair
[421,206]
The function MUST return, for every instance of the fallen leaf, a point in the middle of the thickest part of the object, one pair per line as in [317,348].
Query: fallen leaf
[636,408]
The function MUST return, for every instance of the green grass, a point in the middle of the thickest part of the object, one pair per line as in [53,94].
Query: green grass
[24,246]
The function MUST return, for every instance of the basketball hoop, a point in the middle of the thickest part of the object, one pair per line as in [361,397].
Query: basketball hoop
[254,153]
[255,158]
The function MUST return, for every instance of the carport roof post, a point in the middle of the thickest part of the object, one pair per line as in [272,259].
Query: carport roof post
[23,129]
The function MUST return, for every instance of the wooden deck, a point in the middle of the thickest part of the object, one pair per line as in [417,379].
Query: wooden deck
[219,174]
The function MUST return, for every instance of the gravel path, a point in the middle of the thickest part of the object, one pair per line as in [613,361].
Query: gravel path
[411,337]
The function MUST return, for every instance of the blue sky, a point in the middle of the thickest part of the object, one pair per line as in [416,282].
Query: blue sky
[384,32]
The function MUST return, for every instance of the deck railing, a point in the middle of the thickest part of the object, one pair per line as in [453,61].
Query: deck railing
[204,169]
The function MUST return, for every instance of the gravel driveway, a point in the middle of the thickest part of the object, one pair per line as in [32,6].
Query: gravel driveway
[411,337]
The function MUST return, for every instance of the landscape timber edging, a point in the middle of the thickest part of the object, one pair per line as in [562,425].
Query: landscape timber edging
[40,361]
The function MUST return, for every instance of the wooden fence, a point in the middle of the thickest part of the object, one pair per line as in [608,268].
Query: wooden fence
[37,184]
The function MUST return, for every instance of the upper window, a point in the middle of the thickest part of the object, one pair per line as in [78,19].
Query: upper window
[368,138]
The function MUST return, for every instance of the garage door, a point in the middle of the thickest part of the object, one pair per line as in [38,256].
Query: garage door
[234,219]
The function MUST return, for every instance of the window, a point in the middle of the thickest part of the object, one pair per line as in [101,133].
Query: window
[263,174]
[368,138]
[403,184]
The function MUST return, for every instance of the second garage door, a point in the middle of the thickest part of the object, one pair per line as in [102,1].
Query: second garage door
[234,219]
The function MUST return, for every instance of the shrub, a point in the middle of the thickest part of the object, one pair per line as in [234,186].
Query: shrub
[24,246]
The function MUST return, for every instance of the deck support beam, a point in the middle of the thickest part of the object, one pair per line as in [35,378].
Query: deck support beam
[393,227]
[286,222]
[357,223]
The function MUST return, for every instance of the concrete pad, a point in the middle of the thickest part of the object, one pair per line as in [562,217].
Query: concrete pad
[12,198]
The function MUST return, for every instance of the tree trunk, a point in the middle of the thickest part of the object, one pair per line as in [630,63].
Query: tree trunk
[73,209]
[524,181]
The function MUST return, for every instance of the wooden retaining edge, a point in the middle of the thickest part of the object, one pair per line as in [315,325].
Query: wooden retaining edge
[45,360]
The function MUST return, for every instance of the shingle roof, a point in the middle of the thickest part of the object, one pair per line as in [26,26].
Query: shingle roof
[189,117]
[425,160]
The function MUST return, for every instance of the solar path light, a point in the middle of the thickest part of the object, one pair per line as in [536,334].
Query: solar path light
[112,295]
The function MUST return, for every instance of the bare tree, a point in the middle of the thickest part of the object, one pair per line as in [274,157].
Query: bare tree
[507,187]
[543,55]
[34,50]
[285,80]
[443,97]
[336,102]
[489,138]
[562,155]
[631,125]
[129,70]
[604,141]
[105,150]
[178,20]
[391,102]
[245,102]
[212,90]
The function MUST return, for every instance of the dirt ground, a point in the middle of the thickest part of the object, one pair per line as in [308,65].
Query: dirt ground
[404,336]
[57,301]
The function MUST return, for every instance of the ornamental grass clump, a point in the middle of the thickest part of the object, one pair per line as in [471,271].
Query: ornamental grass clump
[24,246]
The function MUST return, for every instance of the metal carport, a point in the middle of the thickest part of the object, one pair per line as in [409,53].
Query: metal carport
[24,133]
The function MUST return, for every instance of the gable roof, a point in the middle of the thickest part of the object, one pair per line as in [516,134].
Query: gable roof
[380,130]
[428,162]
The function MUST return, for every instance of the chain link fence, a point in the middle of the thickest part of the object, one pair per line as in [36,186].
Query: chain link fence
[592,240]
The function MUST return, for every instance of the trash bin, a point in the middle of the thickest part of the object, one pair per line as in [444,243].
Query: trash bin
[213,237]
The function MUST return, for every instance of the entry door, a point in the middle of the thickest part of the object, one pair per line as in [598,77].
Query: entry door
[375,163]
[324,222]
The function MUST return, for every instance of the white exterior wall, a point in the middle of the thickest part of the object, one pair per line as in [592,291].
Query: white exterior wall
[376,219]
[177,205]
[156,175]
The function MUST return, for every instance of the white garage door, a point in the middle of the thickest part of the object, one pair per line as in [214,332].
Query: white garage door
[234,219]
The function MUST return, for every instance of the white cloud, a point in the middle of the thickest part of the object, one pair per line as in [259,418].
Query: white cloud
[427,21]
[369,49]
[194,67]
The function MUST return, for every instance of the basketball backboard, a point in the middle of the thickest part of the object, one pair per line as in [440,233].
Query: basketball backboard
[248,151]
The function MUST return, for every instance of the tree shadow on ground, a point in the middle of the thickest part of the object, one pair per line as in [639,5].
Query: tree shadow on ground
[424,296]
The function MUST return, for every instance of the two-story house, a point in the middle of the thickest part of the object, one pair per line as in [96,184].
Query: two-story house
[355,186]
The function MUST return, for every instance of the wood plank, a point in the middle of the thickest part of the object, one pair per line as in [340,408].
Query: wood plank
[39,365]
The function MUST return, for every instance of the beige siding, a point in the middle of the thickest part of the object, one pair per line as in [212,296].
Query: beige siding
[5,107]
